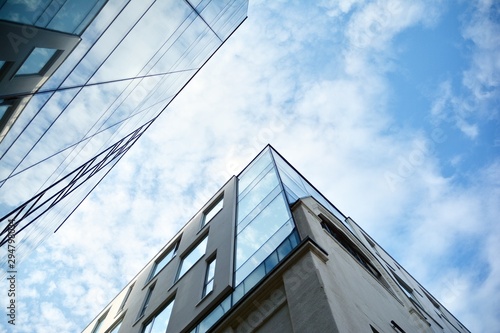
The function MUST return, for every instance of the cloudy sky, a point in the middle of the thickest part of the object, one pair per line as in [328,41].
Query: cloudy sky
[391,108]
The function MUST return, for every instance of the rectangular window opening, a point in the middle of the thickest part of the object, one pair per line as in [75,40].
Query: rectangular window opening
[146,302]
[348,246]
[98,325]
[122,305]
[209,277]
[163,260]
[212,211]
[38,61]
[192,257]
[159,322]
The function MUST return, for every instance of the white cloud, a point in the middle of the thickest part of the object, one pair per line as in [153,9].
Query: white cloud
[333,126]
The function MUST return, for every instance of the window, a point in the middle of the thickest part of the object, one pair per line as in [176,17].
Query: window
[116,327]
[212,211]
[3,110]
[99,323]
[209,277]
[125,298]
[159,323]
[163,261]
[347,244]
[196,253]
[396,327]
[407,289]
[146,301]
[36,62]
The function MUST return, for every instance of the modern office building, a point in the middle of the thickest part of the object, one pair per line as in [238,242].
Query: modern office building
[35,38]
[269,253]
[132,61]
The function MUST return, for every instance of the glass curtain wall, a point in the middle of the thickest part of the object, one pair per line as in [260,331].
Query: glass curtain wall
[264,219]
[70,16]
[297,187]
[265,231]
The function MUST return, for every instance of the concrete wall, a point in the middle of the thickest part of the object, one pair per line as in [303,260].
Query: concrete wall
[189,305]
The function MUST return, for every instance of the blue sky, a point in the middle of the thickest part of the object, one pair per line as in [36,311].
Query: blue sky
[390,108]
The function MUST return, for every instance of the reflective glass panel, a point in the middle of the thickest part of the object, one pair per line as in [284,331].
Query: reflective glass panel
[213,211]
[257,194]
[263,252]
[159,323]
[300,187]
[3,109]
[193,257]
[164,261]
[253,170]
[36,61]
[209,278]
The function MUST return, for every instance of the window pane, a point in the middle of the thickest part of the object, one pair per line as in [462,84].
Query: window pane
[211,270]
[116,328]
[258,192]
[209,278]
[261,229]
[3,109]
[252,171]
[36,61]
[164,261]
[213,211]
[146,302]
[193,257]
[160,322]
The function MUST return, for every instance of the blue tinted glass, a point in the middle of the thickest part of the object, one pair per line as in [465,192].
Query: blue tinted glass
[160,322]
[261,229]
[263,252]
[290,196]
[284,249]
[71,14]
[253,170]
[3,109]
[254,278]
[256,194]
[213,211]
[257,209]
[271,262]
[36,61]
[164,261]
[193,257]
[22,11]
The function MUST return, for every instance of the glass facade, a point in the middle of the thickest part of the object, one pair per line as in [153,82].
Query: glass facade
[70,16]
[297,187]
[181,37]
[263,216]
[36,61]
[265,231]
